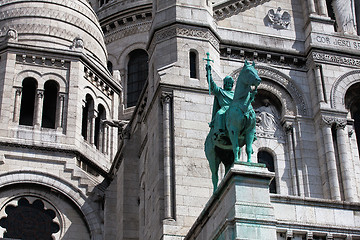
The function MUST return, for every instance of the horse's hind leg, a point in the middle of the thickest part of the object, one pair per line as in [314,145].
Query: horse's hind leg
[249,141]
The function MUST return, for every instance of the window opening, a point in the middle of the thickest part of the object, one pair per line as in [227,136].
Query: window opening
[268,160]
[28,102]
[331,12]
[29,221]
[99,131]
[50,104]
[85,116]
[110,67]
[137,75]
[193,64]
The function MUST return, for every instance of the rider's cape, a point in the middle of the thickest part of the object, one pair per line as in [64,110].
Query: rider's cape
[222,98]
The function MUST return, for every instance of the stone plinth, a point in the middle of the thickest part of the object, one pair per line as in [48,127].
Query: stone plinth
[240,208]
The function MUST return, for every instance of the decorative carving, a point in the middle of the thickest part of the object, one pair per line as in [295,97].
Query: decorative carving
[98,83]
[264,57]
[78,43]
[229,8]
[350,133]
[278,20]
[127,31]
[12,35]
[181,30]
[166,97]
[335,59]
[330,121]
[36,60]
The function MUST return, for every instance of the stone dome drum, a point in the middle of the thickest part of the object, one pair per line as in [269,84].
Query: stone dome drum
[54,24]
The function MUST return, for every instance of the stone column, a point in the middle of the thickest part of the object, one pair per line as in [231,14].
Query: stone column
[311,6]
[168,188]
[106,139]
[39,108]
[345,162]
[17,105]
[91,126]
[59,116]
[322,7]
[319,85]
[293,168]
[330,158]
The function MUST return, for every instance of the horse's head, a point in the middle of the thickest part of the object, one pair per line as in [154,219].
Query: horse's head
[249,75]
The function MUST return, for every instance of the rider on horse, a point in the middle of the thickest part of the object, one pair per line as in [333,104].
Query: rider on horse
[222,100]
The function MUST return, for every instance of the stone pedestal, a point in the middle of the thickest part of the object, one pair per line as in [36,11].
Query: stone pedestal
[240,208]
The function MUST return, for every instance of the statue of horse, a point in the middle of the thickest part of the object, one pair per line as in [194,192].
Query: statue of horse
[240,121]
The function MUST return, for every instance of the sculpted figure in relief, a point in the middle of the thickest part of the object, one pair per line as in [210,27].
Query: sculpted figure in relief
[344,16]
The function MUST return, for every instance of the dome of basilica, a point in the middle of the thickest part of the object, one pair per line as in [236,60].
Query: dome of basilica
[54,24]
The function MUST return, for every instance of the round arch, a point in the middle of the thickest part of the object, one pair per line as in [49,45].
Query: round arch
[71,192]
[340,87]
[288,88]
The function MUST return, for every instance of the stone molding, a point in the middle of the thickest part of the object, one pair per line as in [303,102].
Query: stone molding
[288,86]
[98,83]
[179,30]
[263,57]
[232,7]
[50,14]
[342,84]
[332,58]
[143,27]
[41,60]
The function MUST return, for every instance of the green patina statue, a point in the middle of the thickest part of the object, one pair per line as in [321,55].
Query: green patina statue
[233,119]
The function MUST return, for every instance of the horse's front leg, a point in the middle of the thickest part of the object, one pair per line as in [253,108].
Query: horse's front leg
[234,138]
[249,139]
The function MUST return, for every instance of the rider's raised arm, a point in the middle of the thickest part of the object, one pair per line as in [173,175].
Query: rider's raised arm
[213,87]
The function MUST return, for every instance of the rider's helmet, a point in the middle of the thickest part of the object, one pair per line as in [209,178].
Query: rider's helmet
[228,83]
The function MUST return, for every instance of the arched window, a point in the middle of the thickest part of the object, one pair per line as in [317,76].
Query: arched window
[29,87]
[99,130]
[352,102]
[331,12]
[50,104]
[137,75]
[268,160]
[86,117]
[357,14]
[193,64]
[110,67]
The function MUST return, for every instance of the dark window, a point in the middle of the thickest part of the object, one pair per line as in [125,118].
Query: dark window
[268,160]
[28,102]
[357,11]
[110,67]
[98,140]
[331,12]
[89,107]
[193,61]
[137,75]
[29,221]
[50,104]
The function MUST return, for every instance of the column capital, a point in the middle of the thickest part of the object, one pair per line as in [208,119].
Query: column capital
[330,121]
[40,93]
[288,126]
[166,97]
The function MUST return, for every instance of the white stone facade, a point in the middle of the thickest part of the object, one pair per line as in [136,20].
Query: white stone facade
[112,170]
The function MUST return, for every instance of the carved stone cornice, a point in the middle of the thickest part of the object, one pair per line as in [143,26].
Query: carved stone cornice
[121,32]
[231,7]
[43,61]
[179,30]
[98,82]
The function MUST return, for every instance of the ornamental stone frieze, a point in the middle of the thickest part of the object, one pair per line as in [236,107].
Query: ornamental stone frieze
[120,33]
[98,83]
[264,57]
[184,31]
[335,59]
[42,61]
[229,8]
